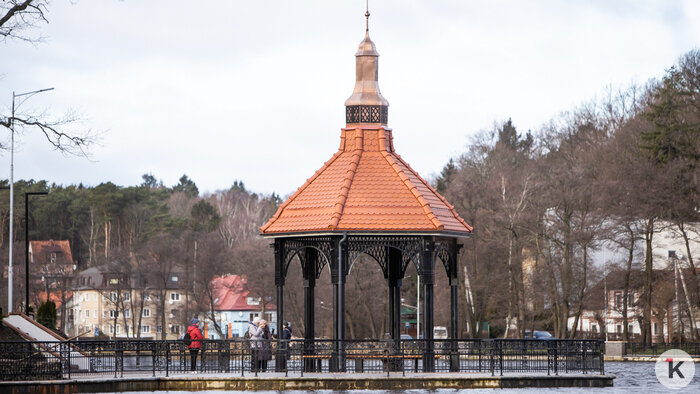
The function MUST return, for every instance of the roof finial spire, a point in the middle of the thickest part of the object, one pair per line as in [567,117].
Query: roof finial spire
[367,16]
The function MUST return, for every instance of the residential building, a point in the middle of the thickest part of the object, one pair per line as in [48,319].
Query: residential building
[603,308]
[52,270]
[110,301]
[235,307]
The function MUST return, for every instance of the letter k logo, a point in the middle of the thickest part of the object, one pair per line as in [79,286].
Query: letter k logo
[672,369]
[675,369]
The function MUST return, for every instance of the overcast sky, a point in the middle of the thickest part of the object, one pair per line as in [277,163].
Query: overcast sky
[254,90]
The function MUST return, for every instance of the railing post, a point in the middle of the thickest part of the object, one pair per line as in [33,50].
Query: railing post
[154,355]
[556,357]
[500,356]
[69,361]
[492,354]
[167,359]
[601,354]
[403,362]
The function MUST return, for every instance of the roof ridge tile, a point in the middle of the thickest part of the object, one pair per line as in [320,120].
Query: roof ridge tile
[349,177]
[424,204]
[443,199]
[300,190]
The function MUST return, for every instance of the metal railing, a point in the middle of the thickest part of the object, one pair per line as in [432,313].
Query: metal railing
[119,358]
[655,349]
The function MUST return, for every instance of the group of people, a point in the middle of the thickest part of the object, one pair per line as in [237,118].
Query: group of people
[259,335]
[260,343]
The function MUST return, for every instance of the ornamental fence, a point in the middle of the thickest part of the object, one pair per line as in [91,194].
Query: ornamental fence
[119,358]
[655,349]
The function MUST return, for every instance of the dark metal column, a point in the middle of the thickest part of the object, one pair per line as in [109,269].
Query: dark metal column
[454,286]
[394,280]
[394,276]
[310,260]
[338,277]
[454,305]
[428,277]
[281,359]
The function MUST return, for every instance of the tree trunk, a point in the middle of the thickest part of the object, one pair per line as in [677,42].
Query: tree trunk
[648,269]
[626,288]
[581,292]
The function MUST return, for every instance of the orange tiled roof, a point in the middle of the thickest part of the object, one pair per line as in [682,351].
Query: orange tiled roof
[366,186]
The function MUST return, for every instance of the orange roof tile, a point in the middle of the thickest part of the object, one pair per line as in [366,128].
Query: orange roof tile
[366,186]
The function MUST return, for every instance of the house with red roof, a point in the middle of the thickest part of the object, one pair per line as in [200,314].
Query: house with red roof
[234,307]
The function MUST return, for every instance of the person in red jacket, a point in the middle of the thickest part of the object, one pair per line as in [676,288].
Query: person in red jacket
[195,341]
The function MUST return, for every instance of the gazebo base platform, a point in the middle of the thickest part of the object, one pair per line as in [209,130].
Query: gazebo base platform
[310,381]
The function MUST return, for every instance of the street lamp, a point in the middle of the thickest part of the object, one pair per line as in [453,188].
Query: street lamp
[27,95]
[26,247]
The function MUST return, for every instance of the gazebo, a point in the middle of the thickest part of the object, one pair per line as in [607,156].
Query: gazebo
[367,200]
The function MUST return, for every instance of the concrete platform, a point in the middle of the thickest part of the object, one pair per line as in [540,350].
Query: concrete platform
[326,381]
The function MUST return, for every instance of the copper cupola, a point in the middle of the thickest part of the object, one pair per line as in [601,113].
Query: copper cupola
[366,105]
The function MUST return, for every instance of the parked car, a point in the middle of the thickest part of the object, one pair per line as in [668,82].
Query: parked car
[440,332]
[406,337]
[541,335]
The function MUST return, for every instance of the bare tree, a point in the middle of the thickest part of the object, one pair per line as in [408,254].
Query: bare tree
[18,17]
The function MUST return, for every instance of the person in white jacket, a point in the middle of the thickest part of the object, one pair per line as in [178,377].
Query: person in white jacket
[256,337]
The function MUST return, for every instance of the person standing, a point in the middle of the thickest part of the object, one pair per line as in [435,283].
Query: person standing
[266,345]
[255,332]
[195,342]
[286,337]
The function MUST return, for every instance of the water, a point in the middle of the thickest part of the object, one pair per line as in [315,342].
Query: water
[631,377]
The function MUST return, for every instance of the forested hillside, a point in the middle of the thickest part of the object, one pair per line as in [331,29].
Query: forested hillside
[107,222]
[613,170]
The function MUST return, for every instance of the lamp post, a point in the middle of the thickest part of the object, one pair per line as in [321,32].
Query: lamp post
[27,95]
[26,248]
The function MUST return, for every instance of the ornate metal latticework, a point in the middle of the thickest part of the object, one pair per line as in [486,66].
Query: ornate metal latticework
[442,253]
[376,247]
[367,114]
[297,246]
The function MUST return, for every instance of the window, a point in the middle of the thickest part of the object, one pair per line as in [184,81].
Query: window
[174,313]
[252,300]
[656,328]
[118,329]
[113,296]
[175,329]
[113,313]
[87,328]
[174,278]
[253,316]
[147,297]
[114,281]
[630,299]
[268,317]
[630,328]
[146,312]
[95,313]
[174,296]
[95,296]
[618,299]
[594,328]
[159,329]
[618,328]
[127,313]
[145,329]
[87,313]
[80,314]
[127,296]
